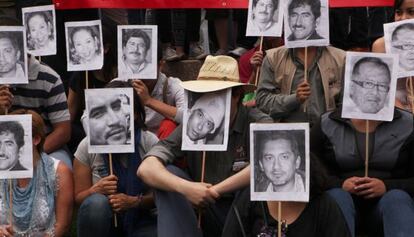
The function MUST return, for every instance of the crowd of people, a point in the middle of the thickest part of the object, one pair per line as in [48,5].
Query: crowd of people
[163,190]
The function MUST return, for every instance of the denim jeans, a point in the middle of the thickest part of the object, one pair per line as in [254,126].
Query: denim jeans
[391,215]
[94,217]
[177,218]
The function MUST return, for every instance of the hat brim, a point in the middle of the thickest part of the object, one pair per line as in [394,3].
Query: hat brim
[202,86]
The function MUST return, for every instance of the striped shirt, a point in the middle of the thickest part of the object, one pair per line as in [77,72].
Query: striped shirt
[44,94]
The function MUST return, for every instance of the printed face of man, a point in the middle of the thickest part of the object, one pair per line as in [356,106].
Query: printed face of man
[135,51]
[279,162]
[369,88]
[403,45]
[107,120]
[302,22]
[199,125]
[39,31]
[85,45]
[263,11]
[9,151]
[9,56]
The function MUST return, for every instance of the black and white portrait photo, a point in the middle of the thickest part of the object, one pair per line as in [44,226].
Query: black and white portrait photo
[16,154]
[137,52]
[110,120]
[306,23]
[280,157]
[265,18]
[206,120]
[13,57]
[40,23]
[399,39]
[84,45]
[370,84]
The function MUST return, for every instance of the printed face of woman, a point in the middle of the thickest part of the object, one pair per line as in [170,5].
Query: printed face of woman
[85,45]
[39,31]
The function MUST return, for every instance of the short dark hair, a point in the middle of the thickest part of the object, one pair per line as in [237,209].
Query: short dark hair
[13,39]
[139,110]
[16,129]
[264,136]
[405,26]
[315,6]
[376,61]
[136,33]
[275,3]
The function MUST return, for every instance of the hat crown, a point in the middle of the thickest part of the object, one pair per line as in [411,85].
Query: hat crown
[220,68]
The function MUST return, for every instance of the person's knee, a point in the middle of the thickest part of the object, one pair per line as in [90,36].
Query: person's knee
[341,195]
[95,206]
[395,197]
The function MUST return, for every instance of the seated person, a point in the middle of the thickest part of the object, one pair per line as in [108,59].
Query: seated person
[42,205]
[321,217]
[380,200]
[44,93]
[100,195]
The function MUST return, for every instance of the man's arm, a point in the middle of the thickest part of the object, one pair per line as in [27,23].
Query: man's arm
[269,98]
[234,182]
[164,109]
[197,193]
[6,98]
[58,137]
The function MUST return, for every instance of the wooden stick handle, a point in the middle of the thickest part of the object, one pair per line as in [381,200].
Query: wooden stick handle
[10,202]
[87,79]
[366,146]
[256,80]
[305,66]
[111,172]
[279,219]
[412,94]
[203,166]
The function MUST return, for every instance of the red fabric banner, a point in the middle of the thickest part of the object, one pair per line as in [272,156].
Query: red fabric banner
[360,3]
[74,4]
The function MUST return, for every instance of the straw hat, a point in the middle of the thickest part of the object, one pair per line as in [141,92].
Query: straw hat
[217,73]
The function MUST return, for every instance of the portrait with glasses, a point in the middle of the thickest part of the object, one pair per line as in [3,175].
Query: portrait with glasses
[399,39]
[206,120]
[370,85]
[279,154]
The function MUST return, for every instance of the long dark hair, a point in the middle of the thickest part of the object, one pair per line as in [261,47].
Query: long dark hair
[397,4]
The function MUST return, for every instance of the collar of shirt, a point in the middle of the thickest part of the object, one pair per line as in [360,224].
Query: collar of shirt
[298,62]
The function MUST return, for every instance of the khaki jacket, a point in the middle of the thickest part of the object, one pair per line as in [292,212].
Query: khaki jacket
[331,67]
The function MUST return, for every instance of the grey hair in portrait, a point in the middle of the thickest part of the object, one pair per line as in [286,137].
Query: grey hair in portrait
[315,6]
[377,61]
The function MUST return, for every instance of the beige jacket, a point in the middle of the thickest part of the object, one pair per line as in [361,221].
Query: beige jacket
[331,67]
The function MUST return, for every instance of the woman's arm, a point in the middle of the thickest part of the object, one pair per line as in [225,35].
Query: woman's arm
[64,199]
[82,175]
